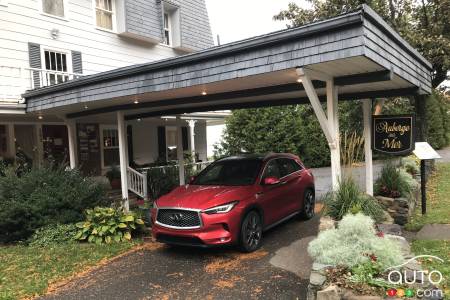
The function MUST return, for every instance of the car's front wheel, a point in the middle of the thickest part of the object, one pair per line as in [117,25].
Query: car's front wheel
[251,232]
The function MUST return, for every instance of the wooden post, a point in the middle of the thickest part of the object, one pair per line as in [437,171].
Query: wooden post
[180,155]
[423,186]
[71,133]
[122,132]
[11,141]
[367,112]
[39,144]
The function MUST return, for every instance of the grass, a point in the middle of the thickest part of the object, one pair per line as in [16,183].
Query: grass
[440,249]
[438,200]
[28,271]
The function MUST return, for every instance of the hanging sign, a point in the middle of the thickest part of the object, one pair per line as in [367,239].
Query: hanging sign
[393,134]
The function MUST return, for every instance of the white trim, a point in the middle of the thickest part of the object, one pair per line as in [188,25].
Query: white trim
[113,17]
[367,113]
[65,7]
[4,3]
[68,54]
[102,146]
[122,134]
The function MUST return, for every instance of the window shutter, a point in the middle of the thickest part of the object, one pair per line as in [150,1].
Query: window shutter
[77,63]
[34,53]
[184,133]
[162,143]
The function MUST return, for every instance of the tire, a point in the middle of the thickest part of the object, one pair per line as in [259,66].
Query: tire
[309,202]
[250,235]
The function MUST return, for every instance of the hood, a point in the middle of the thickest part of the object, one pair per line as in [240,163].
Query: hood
[203,196]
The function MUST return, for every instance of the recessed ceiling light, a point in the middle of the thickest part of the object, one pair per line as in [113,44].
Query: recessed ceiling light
[139,119]
[40,117]
[299,80]
[86,107]
[136,102]
[204,93]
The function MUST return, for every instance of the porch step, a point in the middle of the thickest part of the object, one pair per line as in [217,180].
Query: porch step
[115,196]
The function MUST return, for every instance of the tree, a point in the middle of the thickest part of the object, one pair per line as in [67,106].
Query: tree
[424,25]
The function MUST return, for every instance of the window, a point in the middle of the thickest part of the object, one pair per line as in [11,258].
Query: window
[167,29]
[53,7]
[110,142]
[55,62]
[288,166]
[104,14]
[230,172]
[272,169]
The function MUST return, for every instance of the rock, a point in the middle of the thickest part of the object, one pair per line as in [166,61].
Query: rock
[350,296]
[402,202]
[406,249]
[317,279]
[326,223]
[387,218]
[320,268]
[385,201]
[392,229]
[401,219]
[330,293]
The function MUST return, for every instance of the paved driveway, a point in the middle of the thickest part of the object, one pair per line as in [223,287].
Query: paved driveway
[279,270]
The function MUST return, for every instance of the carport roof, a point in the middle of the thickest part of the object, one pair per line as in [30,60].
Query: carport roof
[365,56]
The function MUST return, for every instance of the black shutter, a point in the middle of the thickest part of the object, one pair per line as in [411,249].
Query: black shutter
[161,143]
[34,53]
[130,144]
[77,64]
[184,133]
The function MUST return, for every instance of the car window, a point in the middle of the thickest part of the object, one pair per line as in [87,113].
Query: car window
[230,172]
[272,169]
[288,166]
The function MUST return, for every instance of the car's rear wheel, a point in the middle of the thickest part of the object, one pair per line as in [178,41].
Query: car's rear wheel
[309,203]
[251,232]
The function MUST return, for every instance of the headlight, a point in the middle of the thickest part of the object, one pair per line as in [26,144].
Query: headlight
[221,209]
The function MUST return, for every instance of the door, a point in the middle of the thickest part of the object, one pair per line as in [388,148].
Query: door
[291,177]
[55,143]
[272,198]
[89,148]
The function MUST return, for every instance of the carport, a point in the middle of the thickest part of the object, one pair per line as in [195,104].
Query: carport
[355,56]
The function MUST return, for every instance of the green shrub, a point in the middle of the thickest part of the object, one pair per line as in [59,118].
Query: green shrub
[44,196]
[53,234]
[107,225]
[353,243]
[410,164]
[391,183]
[161,181]
[406,177]
[348,198]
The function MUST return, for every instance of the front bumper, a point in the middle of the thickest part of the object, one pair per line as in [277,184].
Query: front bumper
[215,230]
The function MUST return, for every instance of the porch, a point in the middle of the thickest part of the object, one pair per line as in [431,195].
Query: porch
[355,56]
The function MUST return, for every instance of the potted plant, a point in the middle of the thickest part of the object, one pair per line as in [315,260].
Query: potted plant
[113,176]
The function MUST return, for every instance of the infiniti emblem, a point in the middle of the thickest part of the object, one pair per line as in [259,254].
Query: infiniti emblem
[176,217]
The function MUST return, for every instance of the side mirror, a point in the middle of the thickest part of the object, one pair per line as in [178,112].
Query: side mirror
[191,179]
[271,181]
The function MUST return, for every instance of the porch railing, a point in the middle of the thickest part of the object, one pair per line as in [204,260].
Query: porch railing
[14,81]
[192,168]
[137,182]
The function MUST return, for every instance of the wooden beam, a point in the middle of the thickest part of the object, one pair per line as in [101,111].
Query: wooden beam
[385,75]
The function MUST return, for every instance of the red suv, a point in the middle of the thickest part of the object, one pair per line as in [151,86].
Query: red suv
[234,200]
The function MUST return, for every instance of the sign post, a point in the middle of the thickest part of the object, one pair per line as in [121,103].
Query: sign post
[424,152]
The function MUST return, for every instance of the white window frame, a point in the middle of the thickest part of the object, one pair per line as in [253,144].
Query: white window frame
[63,51]
[66,10]
[168,28]
[114,17]
[102,145]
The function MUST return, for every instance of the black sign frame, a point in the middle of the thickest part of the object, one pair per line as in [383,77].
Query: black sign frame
[377,136]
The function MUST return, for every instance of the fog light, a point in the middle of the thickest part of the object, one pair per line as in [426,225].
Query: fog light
[223,239]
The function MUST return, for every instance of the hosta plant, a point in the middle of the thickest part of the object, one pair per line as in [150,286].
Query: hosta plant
[107,225]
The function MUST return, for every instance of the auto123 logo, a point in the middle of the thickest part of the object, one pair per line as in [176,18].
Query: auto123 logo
[410,277]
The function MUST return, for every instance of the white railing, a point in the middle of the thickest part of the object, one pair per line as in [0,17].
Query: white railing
[137,182]
[14,81]
[196,167]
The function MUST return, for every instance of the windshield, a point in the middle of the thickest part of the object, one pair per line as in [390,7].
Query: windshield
[230,172]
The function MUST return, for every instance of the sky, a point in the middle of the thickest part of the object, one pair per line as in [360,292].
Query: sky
[235,20]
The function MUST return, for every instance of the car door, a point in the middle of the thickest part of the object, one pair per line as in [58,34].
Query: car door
[291,178]
[272,197]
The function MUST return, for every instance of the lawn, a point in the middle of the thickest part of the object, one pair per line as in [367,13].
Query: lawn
[438,200]
[440,249]
[28,271]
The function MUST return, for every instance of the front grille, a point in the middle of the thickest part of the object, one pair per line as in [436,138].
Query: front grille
[178,218]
